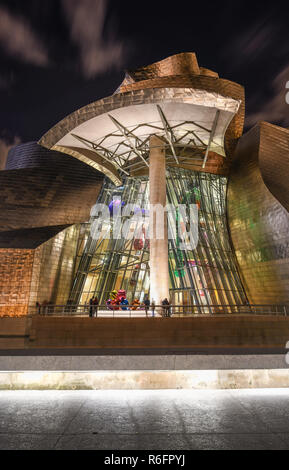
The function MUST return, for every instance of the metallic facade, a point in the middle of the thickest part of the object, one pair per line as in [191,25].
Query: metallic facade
[259,224]
[53,268]
[41,193]
[274,160]
[42,275]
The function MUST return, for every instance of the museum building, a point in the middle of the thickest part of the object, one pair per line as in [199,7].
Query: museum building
[172,133]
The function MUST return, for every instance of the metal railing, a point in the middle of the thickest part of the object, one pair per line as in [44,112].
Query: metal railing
[133,311]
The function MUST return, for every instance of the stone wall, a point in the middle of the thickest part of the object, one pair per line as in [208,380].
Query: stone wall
[15,281]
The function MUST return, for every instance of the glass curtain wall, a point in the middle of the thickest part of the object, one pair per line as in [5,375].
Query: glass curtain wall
[103,264]
[206,275]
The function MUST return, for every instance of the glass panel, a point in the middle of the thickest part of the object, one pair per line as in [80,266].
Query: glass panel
[206,276]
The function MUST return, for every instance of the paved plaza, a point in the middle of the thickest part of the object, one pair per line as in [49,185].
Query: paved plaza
[149,420]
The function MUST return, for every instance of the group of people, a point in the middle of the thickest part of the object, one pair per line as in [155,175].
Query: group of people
[44,308]
[147,305]
[166,310]
[124,305]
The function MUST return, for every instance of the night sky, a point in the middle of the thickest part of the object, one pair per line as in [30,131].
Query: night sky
[59,55]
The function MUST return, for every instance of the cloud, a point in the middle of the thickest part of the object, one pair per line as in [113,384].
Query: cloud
[252,44]
[6,143]
[19,40]
[276,109]
[258,49]
[255,41]
[86,19]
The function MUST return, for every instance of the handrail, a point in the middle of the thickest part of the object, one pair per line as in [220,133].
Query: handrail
[104,310]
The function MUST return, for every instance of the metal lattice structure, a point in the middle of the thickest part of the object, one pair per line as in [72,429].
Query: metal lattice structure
[128,148]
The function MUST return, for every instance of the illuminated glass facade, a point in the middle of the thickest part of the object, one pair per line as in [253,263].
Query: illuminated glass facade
[206,275]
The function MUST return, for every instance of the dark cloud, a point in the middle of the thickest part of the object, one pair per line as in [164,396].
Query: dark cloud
[275,109]
[86,20]
[251,44]
[257,44]
[90,42]
[19,40]
[255,41]
[259,53]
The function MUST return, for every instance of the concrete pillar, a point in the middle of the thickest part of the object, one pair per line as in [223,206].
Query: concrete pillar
[159,259]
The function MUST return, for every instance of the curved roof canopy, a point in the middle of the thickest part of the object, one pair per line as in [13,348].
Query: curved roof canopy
[113,133]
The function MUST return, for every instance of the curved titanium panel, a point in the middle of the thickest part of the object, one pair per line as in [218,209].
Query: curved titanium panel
[259,224]
[185,63]
[274,160]
[32,155]
[41,193]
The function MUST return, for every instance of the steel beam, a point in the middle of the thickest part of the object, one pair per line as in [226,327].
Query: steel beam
[129,136]
[92,145]
[211,136]
[168,131]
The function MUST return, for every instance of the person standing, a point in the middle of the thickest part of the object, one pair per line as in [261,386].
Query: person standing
[166,307]
[153,307]
[146,305]
[95,306]
[91,307]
